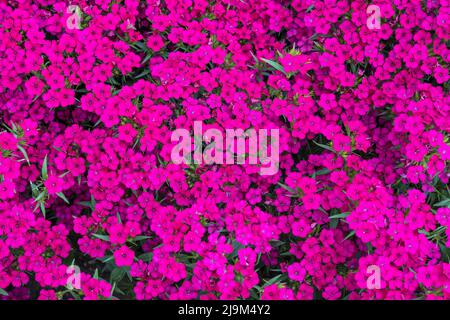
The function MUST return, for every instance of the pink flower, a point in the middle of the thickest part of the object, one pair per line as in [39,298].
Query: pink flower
[54,184]
[155,42]
[362,119]
[124,256]
[296,272]
[331,293]
[6,190]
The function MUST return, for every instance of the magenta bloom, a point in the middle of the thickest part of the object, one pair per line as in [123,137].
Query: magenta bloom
[133,150]
[54,184]
[124,256]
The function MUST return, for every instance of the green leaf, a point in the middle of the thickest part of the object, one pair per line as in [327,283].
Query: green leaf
[93,201]
[41,196]
[146,257]
[98,122]
[443,203]
[62,196]
[340,215]
[254,57]
[25,155]
[351,234]
[107,259]
[321,172]
[117,289]
[3,292]
[275,65]
[143,74]
[33,186]
[324,146]
[64,174]
[57,149]
[334,223]
[85,204]
[45,169]
[287,188]
[236,247]
[147,57]
[275,279]
[101,236]
[445,252]
[117,274]
[310,8]
[74,295]
[139,238]
[41,204]
[142,46]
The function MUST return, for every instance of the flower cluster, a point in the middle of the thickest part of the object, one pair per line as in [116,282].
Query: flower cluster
[90,92]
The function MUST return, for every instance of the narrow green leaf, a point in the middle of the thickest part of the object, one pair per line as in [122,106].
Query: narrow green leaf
[41,196]
[254,57]
[321,172]
[106,259]
[275,65]
[143,74]
[117,274]
[287,188]
[85,204]
[101,236]
[274,280]
[45,169]
[93,202]
[117,289]
[146,59]
[64,174]
[340,215]
[139,238]
[112,290]
[141,46]
[443,203]
[41,204]
[324,146]
[310,8]
[62,196]
[146,257]
[351,234]
[334,223]
[25,155]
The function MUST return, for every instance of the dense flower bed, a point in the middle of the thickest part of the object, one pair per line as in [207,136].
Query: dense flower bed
[90,92]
